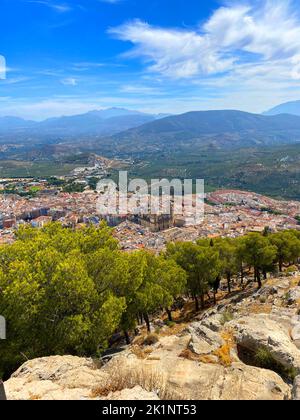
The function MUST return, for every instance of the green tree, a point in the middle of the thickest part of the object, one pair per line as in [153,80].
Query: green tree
[257,252]
[228,259]
[50,298]
[288,247]
[202,265]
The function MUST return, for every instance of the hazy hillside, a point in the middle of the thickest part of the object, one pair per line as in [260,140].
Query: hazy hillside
[216,128]
[14,123]
[104,122]
[286,108]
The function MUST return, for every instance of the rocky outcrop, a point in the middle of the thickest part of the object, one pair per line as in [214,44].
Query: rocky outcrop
[205,360]
[203,340]
[164,369]
[55,378]
[293,296]
[216,382]
[195,380]
[260,332]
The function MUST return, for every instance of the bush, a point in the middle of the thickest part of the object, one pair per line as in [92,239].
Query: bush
[264,359]
[170,323]
[226,317]
[151,339]
[121,377]
[291,269]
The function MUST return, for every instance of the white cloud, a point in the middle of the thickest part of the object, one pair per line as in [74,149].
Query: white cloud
[140,90]
[69,81]
[264,33]
[58,7]
[2,67]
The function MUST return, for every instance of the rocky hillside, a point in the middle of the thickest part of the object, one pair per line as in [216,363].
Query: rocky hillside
[246,348]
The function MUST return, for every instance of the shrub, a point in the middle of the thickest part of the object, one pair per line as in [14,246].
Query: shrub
[262,299]
[170,324]
[226,317]
[292,269]
[121,377]
[151,339]
[264,359]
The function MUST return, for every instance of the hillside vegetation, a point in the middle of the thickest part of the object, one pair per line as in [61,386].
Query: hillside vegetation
[222,129]
[68,292]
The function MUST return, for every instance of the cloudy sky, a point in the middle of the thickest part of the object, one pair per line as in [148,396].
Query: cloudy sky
[67,57]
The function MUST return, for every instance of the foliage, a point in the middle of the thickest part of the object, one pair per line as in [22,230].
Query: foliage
[257,252]
[67,291]
[201,263]
[264,359]
[151,339]
[288,247]
[226,317]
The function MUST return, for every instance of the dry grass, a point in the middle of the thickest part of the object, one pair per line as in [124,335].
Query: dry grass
[189,355]
[294,282]
[224,352]
[260,308]
[174,330]
[138,341]
[151,339]
[207,359]
[124,378]
[140,353]
[34,397]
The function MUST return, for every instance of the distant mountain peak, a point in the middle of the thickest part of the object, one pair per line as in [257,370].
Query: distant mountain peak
[292,107]
[114,112]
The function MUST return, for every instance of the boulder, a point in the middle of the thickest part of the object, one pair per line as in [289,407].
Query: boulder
[204,340]
[213,322]
[55,378]
[293,296]
[259,331]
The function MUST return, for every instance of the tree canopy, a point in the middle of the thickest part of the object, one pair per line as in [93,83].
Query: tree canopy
[68,291]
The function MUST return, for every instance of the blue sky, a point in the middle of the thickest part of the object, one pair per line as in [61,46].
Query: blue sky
[68,57]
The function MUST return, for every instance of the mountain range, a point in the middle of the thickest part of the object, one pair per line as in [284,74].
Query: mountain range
[132,130]
[103,122]
[218,129]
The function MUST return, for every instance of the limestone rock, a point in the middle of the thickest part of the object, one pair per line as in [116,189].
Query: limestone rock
[295,334]
[293,296]
[192,380]
[213,322]
[204,340]
[296,389]
[133,394]
[259,331]
[55,378]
